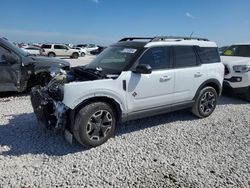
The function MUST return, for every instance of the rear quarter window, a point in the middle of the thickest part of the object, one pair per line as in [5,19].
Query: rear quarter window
[208,54]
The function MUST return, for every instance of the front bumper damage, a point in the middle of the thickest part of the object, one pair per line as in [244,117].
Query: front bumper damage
[49,113]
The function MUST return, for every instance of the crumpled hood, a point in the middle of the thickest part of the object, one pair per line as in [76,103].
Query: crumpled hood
[233,60]
[50,61]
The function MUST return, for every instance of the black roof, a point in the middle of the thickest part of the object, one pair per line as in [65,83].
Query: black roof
[136,44]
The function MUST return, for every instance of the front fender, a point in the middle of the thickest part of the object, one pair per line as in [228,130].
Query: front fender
[77,92]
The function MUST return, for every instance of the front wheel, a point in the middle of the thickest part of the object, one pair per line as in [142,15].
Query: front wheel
[205,102]
[94,124]
[82,54]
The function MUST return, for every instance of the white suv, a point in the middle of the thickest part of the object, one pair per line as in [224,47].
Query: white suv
[129,80]
[53,50]
[236,59]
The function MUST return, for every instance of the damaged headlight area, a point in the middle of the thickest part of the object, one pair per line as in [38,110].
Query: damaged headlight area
[47,102]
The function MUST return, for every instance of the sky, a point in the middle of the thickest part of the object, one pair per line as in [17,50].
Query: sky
[106,21]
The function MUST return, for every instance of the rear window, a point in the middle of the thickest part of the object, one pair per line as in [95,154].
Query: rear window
[208,54]
[46,46]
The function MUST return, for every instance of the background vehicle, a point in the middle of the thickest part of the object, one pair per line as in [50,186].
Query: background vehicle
[19,70]
[98,51]
[236,59]
[83,52]
[222,49]
[33,50]
[130,80]
[53,50]
[88,47]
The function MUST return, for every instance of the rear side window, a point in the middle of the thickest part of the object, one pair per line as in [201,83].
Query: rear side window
[208,54]
[185,56]
[157,58]
[60,47]
[46,46]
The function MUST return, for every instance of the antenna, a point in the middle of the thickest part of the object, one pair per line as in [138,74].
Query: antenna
[191,34]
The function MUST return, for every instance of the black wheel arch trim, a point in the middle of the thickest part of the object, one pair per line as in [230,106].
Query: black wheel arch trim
[212,83]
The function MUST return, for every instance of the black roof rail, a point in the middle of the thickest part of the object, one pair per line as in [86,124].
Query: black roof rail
[136,38]
[162,38]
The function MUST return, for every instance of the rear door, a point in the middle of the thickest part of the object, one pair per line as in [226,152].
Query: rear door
[61,50]
[148,91]
[189,73]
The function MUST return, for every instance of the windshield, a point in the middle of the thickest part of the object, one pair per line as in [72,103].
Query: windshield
[114,58]
[238,50]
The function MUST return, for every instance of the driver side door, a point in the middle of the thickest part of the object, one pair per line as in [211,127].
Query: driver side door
[9,71]
[152,91]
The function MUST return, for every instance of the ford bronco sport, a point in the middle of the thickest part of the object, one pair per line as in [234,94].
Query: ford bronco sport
[132,79]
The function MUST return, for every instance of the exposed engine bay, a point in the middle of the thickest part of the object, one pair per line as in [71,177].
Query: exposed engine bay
[47,100]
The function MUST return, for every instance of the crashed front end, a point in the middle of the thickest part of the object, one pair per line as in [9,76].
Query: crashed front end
[47,103]
[46,100]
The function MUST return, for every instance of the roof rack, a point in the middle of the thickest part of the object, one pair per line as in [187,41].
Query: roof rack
[162,38]
[136,38]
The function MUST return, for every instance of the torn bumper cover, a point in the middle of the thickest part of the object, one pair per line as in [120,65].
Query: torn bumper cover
[49,113]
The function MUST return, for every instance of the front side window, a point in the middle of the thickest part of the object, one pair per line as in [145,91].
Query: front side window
[184,56]
[3,51]
[238,50]
[157,58]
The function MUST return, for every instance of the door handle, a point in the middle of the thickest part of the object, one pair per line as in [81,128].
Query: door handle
[165,78]
[197,75]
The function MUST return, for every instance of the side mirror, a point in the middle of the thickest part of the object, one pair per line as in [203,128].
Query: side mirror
[9,58]
[143,69]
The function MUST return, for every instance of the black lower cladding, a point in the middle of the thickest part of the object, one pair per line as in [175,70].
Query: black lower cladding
[239,90]
[43,108]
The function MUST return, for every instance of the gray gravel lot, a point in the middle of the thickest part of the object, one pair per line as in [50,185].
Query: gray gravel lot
[171,150]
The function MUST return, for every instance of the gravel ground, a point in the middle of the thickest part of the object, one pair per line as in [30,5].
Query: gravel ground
[172,150]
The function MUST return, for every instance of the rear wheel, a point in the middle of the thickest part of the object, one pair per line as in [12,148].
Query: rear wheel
[82,54]
[94,124]
[75,55]
[51,54]
[205,102]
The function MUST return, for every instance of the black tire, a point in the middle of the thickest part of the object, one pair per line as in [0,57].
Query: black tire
[51,54]
[247,95]
[83,54]
[205,102]
[75,55]
[91,131]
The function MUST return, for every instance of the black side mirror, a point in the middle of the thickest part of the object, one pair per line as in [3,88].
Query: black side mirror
[143,69]
[9,58]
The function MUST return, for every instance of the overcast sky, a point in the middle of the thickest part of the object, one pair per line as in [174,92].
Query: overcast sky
[106,21]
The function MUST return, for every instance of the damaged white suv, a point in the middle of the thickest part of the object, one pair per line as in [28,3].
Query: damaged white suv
[132,79]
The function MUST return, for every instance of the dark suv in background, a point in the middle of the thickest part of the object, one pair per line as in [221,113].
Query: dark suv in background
[20,70]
